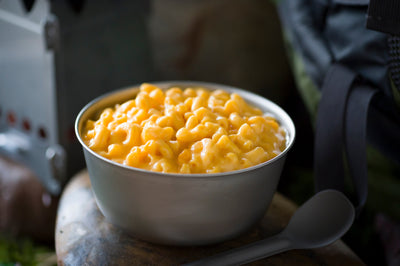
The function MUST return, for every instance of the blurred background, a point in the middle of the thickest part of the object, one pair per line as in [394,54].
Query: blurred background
[56,56]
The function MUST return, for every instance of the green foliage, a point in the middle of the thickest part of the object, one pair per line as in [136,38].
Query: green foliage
[24,251]
[308,90]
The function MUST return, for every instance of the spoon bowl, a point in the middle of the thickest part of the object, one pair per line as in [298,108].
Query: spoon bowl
[320,221]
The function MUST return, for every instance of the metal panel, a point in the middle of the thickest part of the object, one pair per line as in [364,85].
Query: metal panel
[28,125]
[53,60]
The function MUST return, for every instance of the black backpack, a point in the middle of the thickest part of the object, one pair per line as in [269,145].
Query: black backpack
[345,56]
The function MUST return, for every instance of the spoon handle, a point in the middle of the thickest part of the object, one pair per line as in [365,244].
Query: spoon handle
[248,253]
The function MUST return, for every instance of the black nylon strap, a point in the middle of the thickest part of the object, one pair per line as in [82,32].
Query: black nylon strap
[355,139]
[394,53]
[384,16]
[342,129]
[329,134]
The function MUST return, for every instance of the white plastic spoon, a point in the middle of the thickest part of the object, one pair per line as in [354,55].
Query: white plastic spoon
[320,221]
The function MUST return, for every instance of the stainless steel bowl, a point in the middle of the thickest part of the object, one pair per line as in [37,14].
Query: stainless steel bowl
[183,209]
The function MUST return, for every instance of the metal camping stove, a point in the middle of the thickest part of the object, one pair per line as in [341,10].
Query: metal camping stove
[55,56]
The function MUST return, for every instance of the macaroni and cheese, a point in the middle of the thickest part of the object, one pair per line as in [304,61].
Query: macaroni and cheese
[191,130]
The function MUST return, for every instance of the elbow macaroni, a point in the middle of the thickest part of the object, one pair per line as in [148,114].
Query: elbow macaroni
[185,131]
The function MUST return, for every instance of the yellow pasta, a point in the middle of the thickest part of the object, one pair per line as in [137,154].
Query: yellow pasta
[193,130]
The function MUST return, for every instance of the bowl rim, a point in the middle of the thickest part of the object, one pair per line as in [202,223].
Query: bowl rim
[282,116]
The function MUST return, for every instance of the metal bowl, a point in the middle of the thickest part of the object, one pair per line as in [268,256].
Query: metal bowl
[183,209]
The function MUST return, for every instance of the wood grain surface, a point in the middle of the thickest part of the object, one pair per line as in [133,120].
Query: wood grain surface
[84,237]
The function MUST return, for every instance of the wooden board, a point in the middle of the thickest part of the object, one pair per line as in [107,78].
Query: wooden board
[84,236]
